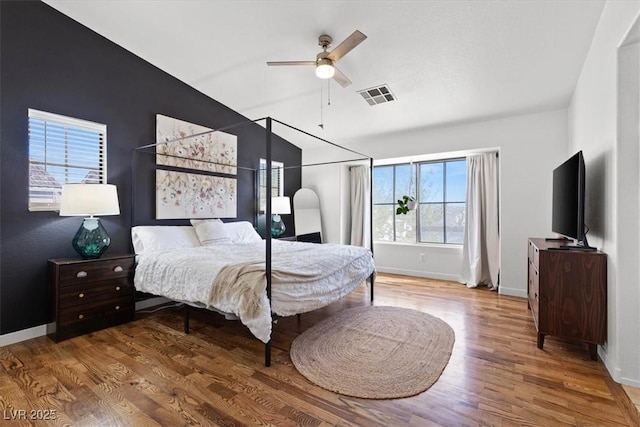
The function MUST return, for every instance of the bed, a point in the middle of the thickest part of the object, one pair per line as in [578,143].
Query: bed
[221,267]
[227,267]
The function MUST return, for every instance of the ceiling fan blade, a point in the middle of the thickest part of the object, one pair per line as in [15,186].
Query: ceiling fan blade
[345,47]
[341,78]
[271,63]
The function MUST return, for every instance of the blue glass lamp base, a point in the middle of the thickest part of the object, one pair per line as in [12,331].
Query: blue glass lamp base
[91,240]
[277,226]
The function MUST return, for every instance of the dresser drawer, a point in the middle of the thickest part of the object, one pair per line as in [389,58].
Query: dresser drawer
[79,273]
[89,293]
[103,310]
[530,251]
[534,293]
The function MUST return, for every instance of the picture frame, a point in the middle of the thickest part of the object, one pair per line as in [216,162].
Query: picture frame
[182,195]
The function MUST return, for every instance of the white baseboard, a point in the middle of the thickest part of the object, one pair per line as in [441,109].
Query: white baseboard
[23,335]
[452,277]
[512,292]
[41,330]
[614,370]
[630,382]
[418,273]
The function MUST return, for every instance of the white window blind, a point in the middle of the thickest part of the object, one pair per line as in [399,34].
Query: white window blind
[63,150]
[277,181]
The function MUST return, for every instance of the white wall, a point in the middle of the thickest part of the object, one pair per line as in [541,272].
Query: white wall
[530,147]
[331,183]
[602,117]
[327,181]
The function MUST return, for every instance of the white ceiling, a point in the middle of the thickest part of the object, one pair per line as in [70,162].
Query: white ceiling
[448,62]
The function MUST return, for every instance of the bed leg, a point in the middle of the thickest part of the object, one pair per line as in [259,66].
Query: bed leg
[372,280]
[186,318]
[267,354]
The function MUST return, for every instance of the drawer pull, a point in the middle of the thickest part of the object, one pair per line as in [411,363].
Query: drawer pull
[117,288]
[81,316]
[117,307]
[117,269]
[81,274]
[81,295]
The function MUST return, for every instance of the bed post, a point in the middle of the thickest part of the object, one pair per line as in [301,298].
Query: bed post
[267,222]
[267,354]
[372,279]
[371,217]
[186,318]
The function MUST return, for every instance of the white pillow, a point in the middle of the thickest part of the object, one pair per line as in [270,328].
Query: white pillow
[242,232]
[211,231]
[151,237]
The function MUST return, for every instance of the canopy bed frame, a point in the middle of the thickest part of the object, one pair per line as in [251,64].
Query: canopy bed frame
[268,135]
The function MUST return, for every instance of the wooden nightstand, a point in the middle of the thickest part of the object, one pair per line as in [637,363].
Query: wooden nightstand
[90,294]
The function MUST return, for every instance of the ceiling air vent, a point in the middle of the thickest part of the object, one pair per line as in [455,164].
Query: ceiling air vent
[377,95]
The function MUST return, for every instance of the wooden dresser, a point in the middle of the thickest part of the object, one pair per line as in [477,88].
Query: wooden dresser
[88,295]
[567,293]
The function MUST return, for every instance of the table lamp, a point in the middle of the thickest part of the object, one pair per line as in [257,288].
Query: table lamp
[279,206]
[88,200]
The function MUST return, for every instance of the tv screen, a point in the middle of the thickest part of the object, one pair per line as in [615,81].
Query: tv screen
[568,199]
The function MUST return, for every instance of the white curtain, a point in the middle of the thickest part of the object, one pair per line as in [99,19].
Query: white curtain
[481,250]
[360,206]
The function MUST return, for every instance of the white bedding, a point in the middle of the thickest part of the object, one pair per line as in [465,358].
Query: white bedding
[231,278]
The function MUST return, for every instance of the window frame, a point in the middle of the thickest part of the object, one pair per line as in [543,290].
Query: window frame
[416,176]
[443,203]
[275,164]
[72,144]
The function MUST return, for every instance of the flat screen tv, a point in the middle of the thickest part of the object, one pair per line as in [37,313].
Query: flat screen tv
[568,202]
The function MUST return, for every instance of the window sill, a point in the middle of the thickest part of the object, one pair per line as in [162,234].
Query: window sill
[421,245]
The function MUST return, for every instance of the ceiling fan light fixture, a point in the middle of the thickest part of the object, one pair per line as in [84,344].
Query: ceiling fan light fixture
[325,69]
[325,60]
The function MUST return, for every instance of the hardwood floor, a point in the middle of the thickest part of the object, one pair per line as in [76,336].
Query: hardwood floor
[148,373]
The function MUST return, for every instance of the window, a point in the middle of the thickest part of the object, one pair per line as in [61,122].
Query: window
[63,150]
[390,183]
[441,202]
[277,181]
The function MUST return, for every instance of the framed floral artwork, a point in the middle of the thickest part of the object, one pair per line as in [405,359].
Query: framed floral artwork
[208,151]
[187,195]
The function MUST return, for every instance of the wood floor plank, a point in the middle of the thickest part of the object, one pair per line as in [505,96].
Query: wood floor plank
[149,373]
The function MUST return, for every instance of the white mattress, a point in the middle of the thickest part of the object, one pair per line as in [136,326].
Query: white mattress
[230,278]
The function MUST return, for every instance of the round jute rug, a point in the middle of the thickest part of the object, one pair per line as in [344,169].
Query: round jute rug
[374,352]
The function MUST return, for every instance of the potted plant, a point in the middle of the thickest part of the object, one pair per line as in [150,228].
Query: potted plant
[406,204]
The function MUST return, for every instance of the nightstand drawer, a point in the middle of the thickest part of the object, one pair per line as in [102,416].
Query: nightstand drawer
[102,311]
[71,274]
[71,296]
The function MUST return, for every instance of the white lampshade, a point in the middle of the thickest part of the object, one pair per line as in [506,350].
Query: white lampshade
[280,205]
[89,200]
[324,69]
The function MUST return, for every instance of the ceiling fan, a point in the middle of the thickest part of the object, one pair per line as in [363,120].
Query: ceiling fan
[325,61]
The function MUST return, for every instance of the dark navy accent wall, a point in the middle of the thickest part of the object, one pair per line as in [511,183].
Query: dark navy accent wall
[50,62]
